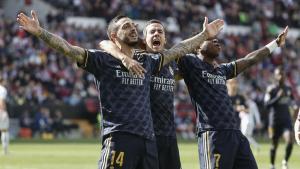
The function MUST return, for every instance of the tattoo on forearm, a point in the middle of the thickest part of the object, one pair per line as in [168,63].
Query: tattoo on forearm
[185,47]
[251,59]
[61,45]
[257,56]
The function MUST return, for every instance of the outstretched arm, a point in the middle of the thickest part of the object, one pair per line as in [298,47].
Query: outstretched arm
[189,45]
[32,26]
[262,53]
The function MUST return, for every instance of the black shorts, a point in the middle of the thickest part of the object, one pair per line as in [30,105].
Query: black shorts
[168,153]
[279,129]
[127,151]
[225,149]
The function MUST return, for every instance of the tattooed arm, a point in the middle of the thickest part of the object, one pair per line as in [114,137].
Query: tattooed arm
[32,26]
[76,53]
[189,45]
[258,55]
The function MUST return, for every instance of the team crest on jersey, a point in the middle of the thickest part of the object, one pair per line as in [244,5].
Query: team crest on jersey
[171,70]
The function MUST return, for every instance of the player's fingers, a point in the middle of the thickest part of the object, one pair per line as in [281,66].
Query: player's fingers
[23,16]
[135,70]
[140,71]
[21,22]
[205,22]
[143,70]
[34,15]
[286,29]
[22,19]
[220,24]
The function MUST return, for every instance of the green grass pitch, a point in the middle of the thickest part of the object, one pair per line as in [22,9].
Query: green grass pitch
[85,156]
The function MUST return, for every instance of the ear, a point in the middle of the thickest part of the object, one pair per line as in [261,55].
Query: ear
[113,36]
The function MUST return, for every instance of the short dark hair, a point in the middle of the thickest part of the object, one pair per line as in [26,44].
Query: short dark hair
[151,22]
[112,26]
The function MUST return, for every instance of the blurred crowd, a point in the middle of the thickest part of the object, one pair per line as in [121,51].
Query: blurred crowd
[36,75]
[281,12]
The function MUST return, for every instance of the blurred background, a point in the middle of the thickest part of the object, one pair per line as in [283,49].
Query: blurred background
[49,97]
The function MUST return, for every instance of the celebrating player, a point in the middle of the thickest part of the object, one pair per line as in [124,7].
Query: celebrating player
[128,135]
[221,143]
[161,96]
[217,120]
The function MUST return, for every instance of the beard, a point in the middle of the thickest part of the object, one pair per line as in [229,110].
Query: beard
[128,41]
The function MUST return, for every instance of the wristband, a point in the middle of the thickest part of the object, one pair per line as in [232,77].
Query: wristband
[272,46]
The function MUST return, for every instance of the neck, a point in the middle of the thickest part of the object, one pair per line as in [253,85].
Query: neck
[232,93]
[209,60]
[126,49]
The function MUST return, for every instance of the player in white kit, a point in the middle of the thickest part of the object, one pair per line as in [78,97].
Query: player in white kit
[4,120]
[250,122]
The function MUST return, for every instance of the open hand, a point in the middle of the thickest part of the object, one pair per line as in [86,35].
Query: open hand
[282,36]
[213,28]
[133,66]
[31,25]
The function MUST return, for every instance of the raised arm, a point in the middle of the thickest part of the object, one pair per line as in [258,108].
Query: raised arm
[262,53]
[32,26]
[189,45]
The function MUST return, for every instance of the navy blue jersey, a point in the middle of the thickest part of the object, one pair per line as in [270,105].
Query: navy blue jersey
[124,97]
[208,92]
[238,100]
[279,104]
[162,98]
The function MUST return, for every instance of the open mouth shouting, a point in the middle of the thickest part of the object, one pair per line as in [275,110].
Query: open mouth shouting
[156,43]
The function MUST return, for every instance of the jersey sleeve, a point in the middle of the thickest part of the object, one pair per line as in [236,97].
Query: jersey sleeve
[183,63]
[229,69]
[157,61]
[93,61]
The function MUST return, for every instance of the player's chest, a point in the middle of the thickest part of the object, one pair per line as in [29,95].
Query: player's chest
[119,74]
[213,77]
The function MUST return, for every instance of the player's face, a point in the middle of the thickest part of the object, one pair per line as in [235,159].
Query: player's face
[279,75]
[127,32]
[211,48]
[155,37]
